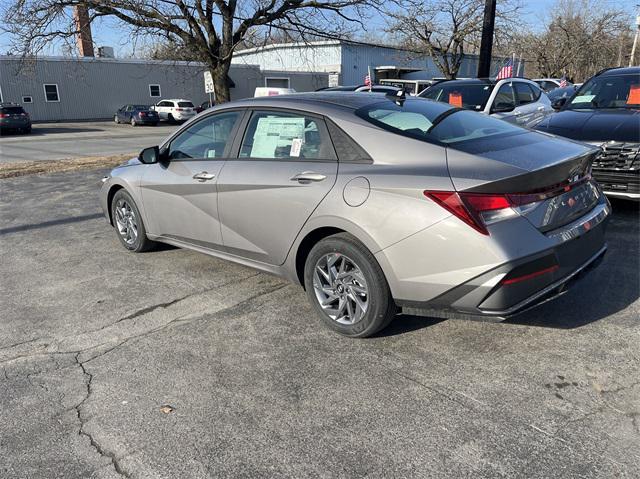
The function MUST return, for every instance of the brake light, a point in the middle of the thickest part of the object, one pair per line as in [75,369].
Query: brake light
[142,113]
[178,109]
[4,115]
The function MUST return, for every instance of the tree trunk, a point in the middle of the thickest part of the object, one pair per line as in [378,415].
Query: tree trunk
[221,82]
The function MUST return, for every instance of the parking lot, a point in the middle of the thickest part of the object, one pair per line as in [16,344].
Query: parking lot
[56,141]
[174,364]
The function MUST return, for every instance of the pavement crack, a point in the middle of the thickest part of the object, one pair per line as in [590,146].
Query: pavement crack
[432,389]
[82,432]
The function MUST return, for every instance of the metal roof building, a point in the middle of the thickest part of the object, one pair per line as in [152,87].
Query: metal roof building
[87,88]
[349,60]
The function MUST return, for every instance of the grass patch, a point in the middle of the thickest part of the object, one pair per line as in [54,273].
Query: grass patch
[23,168]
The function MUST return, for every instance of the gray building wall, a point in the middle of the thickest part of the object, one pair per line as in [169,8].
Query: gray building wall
[95,88]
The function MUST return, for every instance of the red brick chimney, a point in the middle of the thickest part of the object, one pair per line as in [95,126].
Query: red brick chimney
[83,26]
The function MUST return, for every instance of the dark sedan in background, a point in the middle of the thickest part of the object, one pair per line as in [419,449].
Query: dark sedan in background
[137,115]
[605,112]
[14,118]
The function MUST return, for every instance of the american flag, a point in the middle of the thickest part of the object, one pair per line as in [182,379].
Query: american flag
[367,80]
[506,71]
[563,81]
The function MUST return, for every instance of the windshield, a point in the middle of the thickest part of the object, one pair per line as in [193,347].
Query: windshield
[621,91]
[472,96]
[434,122]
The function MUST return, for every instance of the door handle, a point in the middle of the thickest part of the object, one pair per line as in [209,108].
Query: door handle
[308,177]
[203,176]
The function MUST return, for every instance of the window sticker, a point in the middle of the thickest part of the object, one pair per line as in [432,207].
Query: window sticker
[273,133]
[455,99]
[634,95]
[296,145]
[583,99]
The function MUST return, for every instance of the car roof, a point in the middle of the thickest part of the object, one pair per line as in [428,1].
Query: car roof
[470,81]
[175,99]
[620,71]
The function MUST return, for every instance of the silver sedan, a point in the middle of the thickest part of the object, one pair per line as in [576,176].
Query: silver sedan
[372,203]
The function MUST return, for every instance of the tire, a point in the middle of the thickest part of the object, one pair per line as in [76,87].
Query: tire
[115,118]
[27,130]
[133,122]
[132,234]
[170,118]
[154,124]
[366,286]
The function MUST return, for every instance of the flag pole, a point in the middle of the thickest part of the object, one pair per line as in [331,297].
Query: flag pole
[513,63]
[370,79]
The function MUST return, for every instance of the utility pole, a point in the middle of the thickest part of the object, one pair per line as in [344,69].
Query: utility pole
[635,39]
[486,43]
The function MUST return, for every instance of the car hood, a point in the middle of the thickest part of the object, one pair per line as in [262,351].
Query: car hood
[517,163]
[594,125]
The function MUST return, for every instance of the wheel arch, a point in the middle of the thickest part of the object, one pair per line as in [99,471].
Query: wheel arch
[111,193]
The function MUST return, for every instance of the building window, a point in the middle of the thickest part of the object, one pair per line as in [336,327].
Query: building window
[154,90]
[276,82]
[0,94]
[27,99]
[51,92]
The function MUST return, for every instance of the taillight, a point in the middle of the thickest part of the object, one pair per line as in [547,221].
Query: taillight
[25,114]
[481,209]
[4,115]
[477,210]
[142,113]
[178,109]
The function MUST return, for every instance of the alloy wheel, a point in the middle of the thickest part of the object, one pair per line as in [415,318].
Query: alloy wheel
[126,221]
[340,288]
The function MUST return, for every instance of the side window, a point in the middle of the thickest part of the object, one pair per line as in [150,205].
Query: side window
[209,138]
[286,136]
[433,93]
[505,98]
[524,93]
[129,108]
[536,91]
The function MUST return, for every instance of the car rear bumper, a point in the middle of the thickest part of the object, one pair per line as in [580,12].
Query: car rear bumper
[534,269]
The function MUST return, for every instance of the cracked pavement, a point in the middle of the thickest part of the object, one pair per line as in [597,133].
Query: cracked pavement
[174,364]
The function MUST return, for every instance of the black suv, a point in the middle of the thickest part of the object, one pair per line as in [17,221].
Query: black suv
[605,112]
[13,117]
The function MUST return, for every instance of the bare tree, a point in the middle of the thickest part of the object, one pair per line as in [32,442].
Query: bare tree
[446,29]
[210,30]
[579,38]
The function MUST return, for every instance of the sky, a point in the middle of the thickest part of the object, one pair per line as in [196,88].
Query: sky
[106,31]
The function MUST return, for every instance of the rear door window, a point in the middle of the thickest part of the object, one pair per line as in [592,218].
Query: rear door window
[524,93]
[286,136]
[505,98]
[185,104]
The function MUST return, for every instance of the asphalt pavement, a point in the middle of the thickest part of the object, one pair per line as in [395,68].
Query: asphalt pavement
[172,364]
[57,141]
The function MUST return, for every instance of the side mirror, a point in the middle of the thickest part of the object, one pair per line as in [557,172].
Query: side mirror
[558,103]
[149,155]
[503,108]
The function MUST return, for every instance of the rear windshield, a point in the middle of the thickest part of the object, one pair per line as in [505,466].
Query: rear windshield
[469,96]
[434,122]
[12,110]
[185,104]
[140,107]
[609,91]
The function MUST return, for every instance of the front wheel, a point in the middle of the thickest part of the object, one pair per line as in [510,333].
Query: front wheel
[115,119]
[128,223]
[347,287]
[133,122]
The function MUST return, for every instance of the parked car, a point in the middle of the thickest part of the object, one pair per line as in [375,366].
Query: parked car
[362,88]
[176,110]
[411,87]
[137,115]
[205,105]
[516,100]
[605,112]
[566,92]
[550,84]
[371,202]
[14,118]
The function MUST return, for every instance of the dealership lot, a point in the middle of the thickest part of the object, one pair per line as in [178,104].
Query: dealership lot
[175,364]
[55,141]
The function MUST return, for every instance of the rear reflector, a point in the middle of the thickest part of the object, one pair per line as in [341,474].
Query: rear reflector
[526,277]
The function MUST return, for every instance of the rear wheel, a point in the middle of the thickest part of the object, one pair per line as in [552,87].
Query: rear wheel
[347,287]
[128,223]
[170,118]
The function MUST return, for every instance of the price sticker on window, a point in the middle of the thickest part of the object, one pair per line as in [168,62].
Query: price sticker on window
[634,95]
[455,99]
